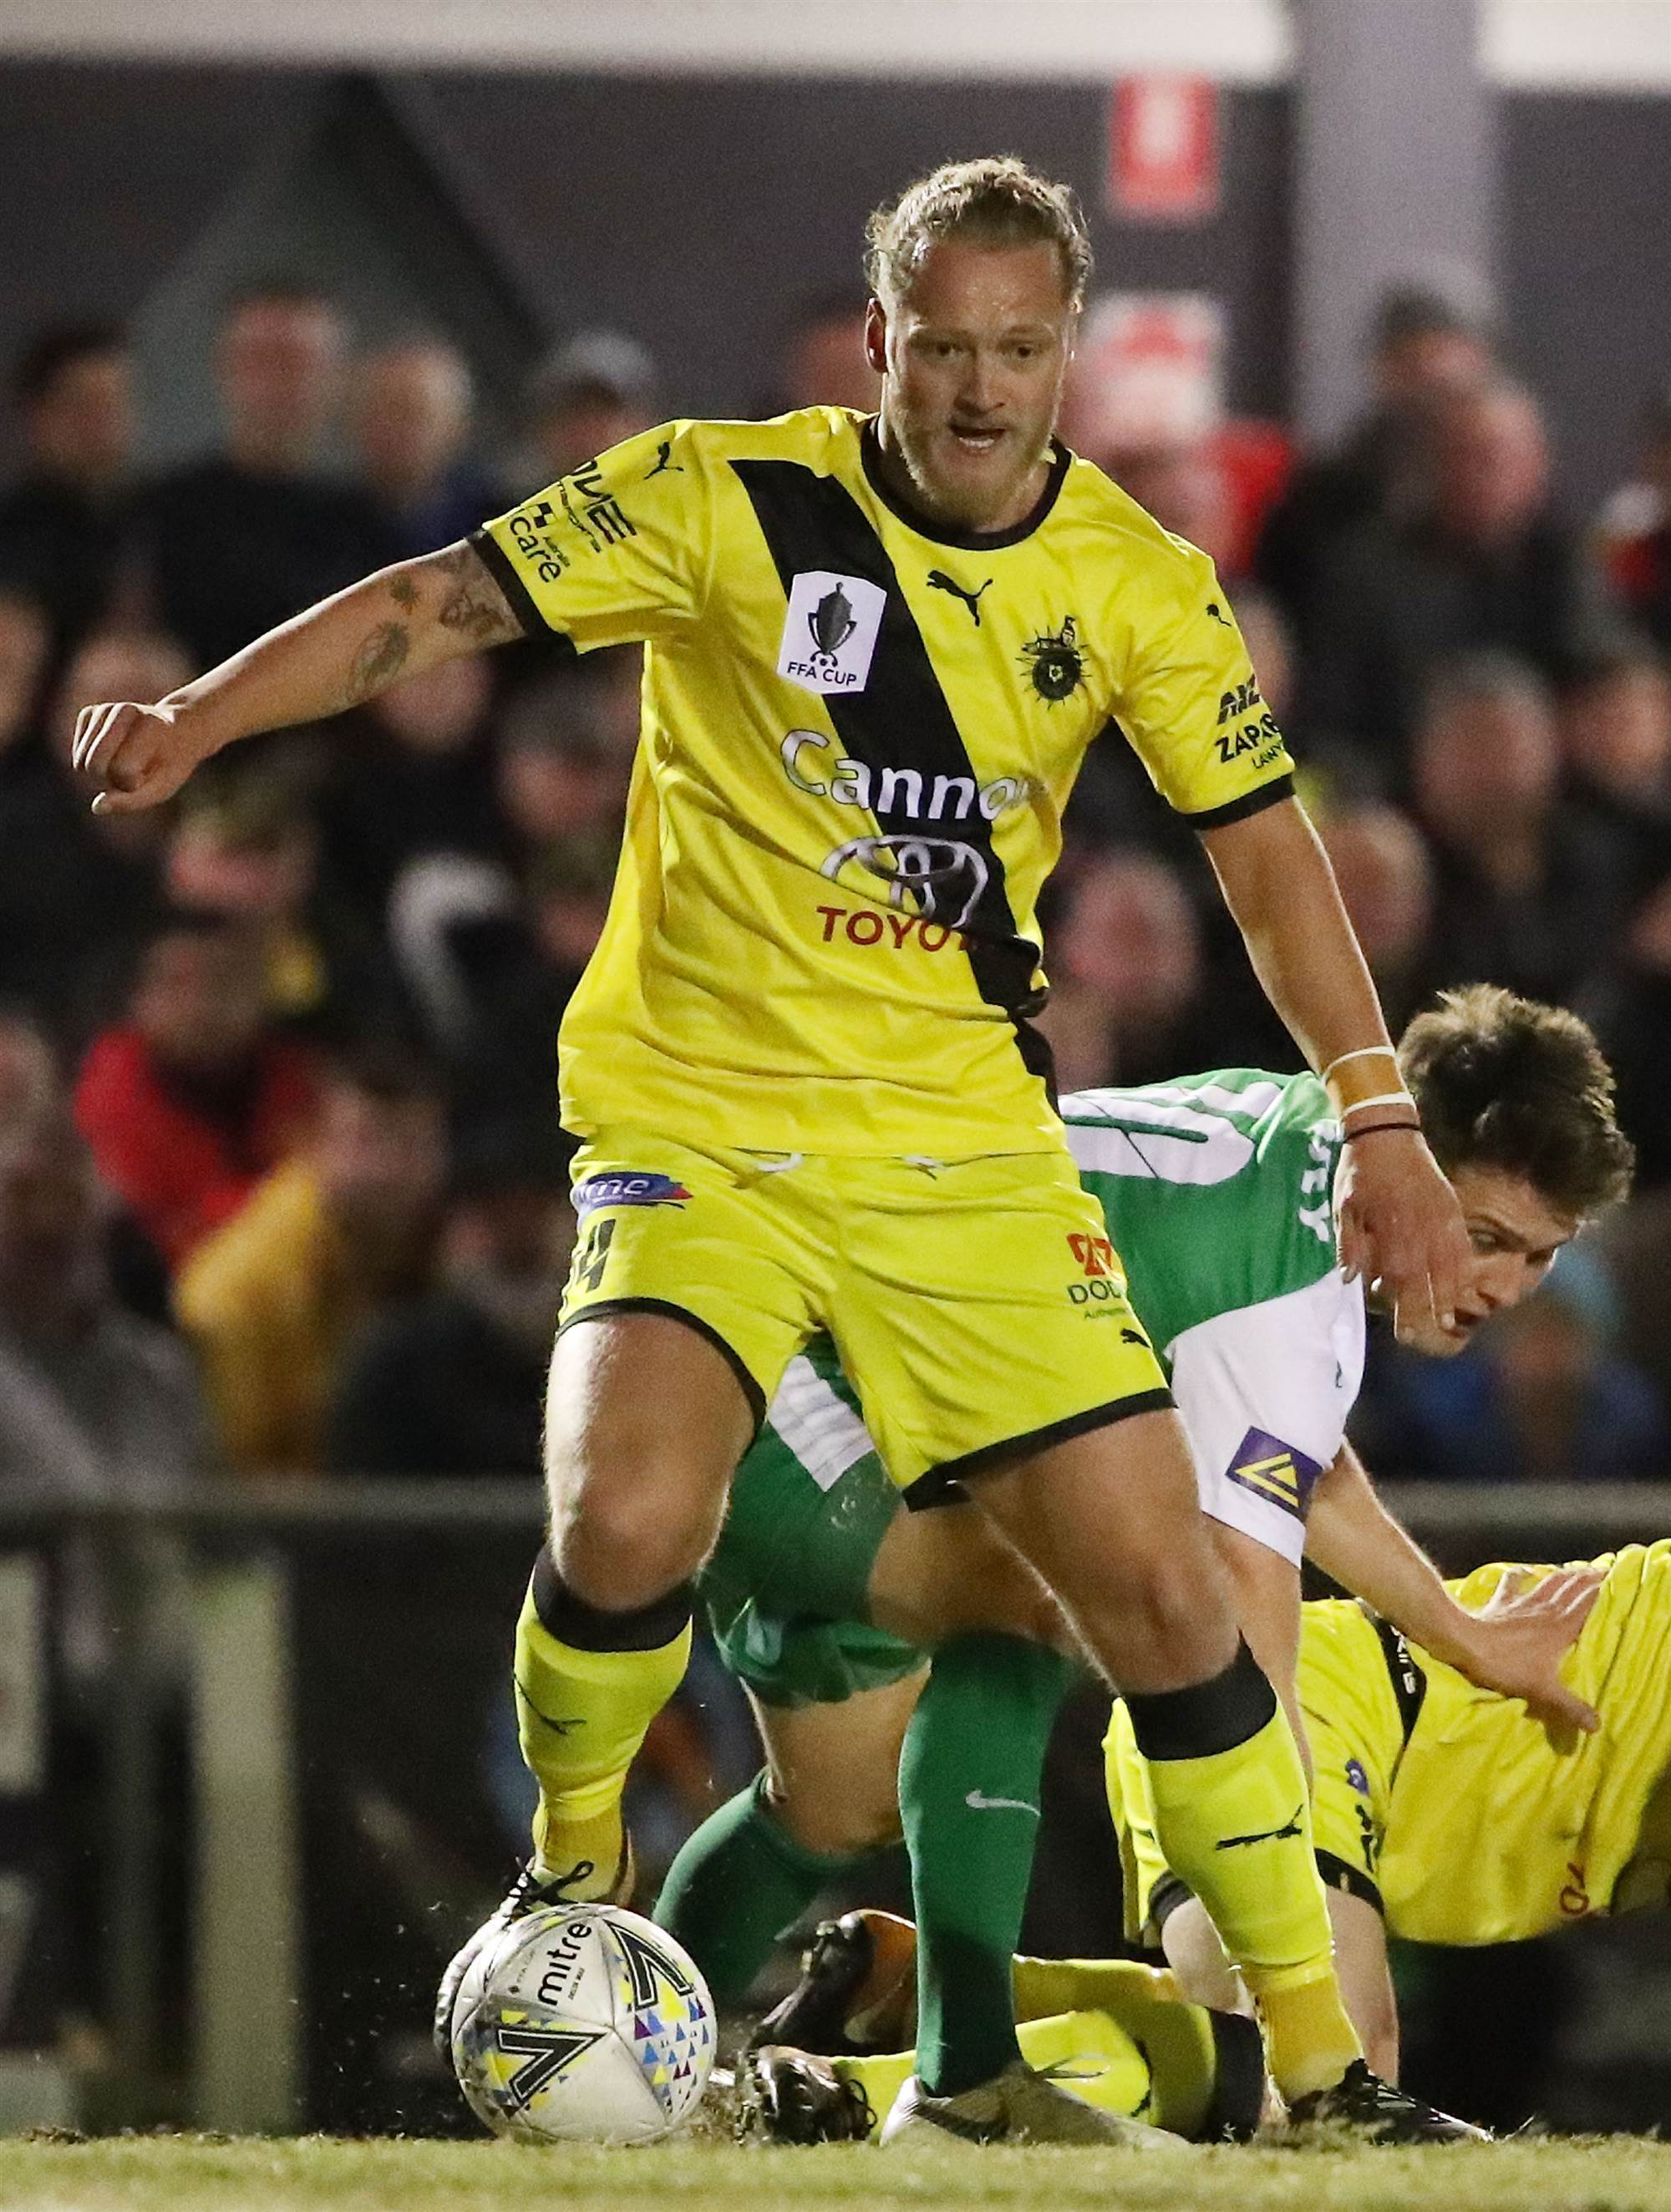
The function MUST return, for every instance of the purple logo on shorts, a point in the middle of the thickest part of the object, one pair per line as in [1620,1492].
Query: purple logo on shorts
[1275,1471]
[623,1189]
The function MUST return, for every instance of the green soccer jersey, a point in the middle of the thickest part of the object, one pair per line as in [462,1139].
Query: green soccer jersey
[1216,1189]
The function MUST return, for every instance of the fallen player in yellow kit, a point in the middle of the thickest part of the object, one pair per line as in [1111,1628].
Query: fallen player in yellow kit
[1442,1812]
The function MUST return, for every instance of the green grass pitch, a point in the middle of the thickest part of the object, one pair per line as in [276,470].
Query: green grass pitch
[190,2174]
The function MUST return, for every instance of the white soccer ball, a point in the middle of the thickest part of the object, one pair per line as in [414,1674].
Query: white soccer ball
[583,2023]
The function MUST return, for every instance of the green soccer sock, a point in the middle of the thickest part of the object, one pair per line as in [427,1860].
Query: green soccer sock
[968,1793]
[738,1884]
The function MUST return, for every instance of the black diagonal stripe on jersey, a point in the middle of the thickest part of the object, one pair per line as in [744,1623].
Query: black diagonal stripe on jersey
[901,720]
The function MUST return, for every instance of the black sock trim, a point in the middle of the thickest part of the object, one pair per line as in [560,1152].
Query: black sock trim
[1238,2081]
[1169,1894]
[1207,1718]
[930,1489]
[603,1307]
[588,1628]
[1340,1873]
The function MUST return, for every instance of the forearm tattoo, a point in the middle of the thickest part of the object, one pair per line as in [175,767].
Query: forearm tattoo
[379,661]
[474,604]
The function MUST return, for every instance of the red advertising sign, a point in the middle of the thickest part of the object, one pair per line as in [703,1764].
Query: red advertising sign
[1163,149]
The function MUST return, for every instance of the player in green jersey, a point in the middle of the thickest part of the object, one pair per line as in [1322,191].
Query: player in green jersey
[1216,1190]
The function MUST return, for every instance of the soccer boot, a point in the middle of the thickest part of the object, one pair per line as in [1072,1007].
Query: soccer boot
[856,1989]
[1018,2105]
[799,2096]
[575,1885]
[1375,2109]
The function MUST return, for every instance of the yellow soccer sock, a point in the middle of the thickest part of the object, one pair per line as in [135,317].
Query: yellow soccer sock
[581,1716]
[1175,2037]
[881,2076]
[1233,1818]
[1310,2042]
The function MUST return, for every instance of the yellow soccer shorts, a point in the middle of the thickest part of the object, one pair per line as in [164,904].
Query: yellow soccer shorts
[1359,1694]
[977,1306]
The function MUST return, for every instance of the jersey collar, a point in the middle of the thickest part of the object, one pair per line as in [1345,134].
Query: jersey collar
[970,541]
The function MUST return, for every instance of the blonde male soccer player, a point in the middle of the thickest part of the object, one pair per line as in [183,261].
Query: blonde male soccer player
[801,1059]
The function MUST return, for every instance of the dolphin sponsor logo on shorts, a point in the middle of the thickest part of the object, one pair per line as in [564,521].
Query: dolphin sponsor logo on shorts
[623,1188]
[1279,1473]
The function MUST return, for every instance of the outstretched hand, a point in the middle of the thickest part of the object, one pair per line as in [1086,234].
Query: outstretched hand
[1516,1644]
[1399,1224]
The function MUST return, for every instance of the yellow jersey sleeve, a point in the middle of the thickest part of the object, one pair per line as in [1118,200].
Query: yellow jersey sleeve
[1191,706]
[615,552]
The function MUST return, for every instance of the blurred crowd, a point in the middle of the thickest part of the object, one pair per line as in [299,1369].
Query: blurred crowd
[276,1064]
[280,1189]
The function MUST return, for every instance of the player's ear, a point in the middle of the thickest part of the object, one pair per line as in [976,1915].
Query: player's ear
[876,335]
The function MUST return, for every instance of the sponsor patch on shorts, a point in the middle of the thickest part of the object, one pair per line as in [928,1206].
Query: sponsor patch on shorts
[1267,1467]
[623,1188]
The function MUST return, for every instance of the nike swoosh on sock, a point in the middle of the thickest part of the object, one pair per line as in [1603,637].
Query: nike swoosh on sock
[977,1804]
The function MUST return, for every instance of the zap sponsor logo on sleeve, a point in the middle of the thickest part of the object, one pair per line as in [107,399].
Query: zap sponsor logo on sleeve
[623,1188]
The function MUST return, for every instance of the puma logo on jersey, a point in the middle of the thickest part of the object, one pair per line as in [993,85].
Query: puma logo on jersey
[939,581]
[1265,1835]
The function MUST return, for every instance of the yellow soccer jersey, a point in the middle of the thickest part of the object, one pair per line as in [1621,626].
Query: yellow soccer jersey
[858,735]
[1473,1822]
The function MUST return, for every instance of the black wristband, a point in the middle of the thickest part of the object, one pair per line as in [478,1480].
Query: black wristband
[1374,1129]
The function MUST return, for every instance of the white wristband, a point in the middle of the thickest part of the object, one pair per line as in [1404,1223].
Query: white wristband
[1380,1099]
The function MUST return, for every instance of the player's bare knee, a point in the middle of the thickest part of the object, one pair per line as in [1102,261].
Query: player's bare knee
[1192,1949]
[1171,1629]
[620,1549]
[834,1825]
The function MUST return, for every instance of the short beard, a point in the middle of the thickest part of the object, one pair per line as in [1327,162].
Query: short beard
[946,502]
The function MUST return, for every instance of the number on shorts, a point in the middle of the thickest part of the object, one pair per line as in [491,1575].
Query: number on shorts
[590,1257]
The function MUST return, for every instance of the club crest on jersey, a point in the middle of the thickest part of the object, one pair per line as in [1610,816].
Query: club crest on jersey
[1055,663]
[622,1188]
[1267,1467]
[830,630]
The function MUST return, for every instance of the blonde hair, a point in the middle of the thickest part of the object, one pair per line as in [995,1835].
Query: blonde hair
[998,201]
